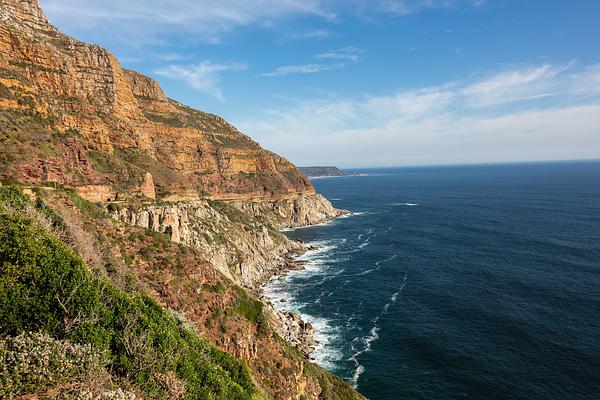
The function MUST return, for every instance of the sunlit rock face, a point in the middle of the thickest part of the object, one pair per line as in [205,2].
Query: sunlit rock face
[72,115]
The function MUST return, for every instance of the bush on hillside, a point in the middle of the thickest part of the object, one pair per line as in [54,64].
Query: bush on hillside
[45,287]
[32,362]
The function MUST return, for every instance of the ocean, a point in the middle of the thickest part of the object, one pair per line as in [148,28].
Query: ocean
[463,282]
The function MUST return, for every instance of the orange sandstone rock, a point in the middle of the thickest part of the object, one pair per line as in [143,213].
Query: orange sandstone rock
[73,115]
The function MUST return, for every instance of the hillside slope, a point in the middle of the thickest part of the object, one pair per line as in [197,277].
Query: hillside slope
[92,308]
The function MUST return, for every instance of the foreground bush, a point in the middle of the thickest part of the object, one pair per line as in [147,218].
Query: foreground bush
[32,362]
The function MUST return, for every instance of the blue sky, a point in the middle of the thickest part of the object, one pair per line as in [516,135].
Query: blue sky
[359,83]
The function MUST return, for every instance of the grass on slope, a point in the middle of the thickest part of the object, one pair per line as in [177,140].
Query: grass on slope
[45,287]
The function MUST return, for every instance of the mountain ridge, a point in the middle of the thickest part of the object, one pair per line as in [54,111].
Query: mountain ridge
[106,127]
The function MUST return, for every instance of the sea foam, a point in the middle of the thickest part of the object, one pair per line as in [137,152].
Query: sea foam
[279,290]
[373,335]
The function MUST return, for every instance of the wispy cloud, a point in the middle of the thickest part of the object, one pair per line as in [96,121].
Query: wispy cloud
[203,77]
[147,21]
[515,85]
[302,69]
[172,56]
[313,34]
[342,56]
[347,53]
[407,7]
[139,23]
[527,113]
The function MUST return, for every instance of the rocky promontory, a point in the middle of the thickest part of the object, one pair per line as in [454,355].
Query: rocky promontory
[326,172]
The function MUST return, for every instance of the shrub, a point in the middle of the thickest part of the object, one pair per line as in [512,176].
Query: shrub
[31,362]
[216,288]
[249,308]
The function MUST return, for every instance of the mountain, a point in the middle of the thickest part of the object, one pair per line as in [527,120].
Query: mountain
[71,114]
[135,234]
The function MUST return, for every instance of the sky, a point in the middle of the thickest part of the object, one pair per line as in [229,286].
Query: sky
[370,83]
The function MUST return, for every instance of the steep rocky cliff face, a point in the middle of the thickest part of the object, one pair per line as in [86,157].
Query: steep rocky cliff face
[70,114]
[298,211]
[143,262]
[237,244]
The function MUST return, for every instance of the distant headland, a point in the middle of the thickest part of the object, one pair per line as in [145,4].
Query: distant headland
[326,172]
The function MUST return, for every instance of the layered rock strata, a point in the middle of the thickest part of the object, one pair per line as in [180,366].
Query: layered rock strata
[71,114]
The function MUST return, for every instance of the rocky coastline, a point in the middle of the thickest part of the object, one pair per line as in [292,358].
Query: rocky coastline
[287,324]
[257,255]
[172,208]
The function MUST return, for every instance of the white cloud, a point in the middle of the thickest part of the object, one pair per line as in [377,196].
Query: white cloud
[302,69]
[452,123]
[138,23]
[407,7]
[515,85]
[147,21]
[203,77]
[313,34]
[347,53]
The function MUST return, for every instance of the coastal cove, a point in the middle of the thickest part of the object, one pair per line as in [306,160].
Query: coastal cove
[455,282]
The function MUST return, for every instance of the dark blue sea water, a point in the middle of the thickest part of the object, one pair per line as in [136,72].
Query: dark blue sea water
[478,282]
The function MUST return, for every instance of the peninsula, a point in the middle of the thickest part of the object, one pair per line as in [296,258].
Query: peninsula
[325,172]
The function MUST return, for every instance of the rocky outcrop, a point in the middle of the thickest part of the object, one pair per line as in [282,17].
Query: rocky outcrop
[291,212]
[69,114]
[238,245]
[143,86]
[23,12]
[293,329]
[147,188]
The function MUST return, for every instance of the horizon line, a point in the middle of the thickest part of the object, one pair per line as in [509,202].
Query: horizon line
[467,164]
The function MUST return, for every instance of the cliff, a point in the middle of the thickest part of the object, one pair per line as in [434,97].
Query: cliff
[127,313]
[71,114]
[237,244]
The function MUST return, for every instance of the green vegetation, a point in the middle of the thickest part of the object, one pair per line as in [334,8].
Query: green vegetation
[249,308]
[234,140]
[133,163]
[45,287]
[216,288]
[6,93]
[233,214]
[88,209]
[37,67]
[171,120]
[11,74]
[101,162]
[223,133]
